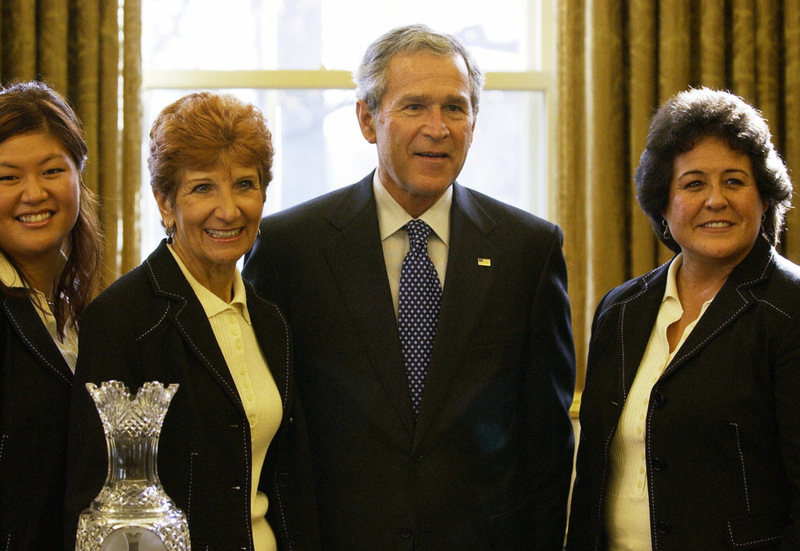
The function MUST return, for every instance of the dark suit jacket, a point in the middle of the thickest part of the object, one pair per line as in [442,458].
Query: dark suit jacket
[35,383]
[723,422]
[487,463]
[149,325]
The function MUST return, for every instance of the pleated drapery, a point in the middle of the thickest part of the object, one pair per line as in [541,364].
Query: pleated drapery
[618,61]
[89,50]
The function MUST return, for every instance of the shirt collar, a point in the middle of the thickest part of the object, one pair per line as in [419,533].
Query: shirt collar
[8,274]
[671,292]
[392,216]
[211,303]
[11,278]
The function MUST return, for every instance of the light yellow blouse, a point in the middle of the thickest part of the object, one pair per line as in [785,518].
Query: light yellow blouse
[254,383]
[68,346]
[627,514]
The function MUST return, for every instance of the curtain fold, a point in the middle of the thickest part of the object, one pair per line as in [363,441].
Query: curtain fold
[619,60]
[76,47]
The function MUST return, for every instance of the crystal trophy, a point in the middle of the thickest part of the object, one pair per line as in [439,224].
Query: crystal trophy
[132,512]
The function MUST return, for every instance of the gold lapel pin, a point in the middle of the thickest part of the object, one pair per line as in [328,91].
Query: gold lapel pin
[484,262]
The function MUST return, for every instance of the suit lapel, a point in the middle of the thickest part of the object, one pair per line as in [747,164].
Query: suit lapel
[636,314]
[190,318]
[28,325]
[357,263]
[731,301]
[274,347]
[465,291]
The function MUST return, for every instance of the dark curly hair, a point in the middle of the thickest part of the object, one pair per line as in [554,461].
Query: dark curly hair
[700,113]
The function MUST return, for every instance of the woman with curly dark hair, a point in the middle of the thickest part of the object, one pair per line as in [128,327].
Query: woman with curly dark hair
[690,418]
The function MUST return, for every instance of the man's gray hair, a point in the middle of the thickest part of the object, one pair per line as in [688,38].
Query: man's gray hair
[372,75]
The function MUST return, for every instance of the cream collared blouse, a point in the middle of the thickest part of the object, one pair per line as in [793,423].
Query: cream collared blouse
[627,515]
[68,346]
[254,383]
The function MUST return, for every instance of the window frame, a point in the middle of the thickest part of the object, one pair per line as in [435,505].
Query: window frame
[543,81]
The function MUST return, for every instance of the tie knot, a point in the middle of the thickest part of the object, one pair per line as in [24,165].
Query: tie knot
[418,232]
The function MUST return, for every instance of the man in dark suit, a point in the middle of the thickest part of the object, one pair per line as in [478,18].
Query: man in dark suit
[466,445]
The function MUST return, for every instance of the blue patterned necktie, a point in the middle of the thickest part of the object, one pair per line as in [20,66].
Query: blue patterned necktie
[420,300]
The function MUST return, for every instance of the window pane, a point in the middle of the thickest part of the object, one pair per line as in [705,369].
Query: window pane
[319,148]
[268,34]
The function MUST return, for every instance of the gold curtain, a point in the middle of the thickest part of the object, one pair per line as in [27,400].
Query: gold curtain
[89,50]
[618,61]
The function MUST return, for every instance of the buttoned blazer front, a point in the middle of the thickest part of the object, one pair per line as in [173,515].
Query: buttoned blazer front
[150,326]
[486,465]
[35,383]
[722,424]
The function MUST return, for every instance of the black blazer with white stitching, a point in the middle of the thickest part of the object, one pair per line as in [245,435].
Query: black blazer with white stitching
[35,383]
[149,325]
[723,422]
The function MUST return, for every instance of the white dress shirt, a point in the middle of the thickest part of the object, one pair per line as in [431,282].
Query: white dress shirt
[392,218]
[627,514]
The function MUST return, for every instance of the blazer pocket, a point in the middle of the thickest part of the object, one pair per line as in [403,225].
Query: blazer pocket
[756,531]
[510,530]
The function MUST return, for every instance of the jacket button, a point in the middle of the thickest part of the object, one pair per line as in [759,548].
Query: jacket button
[418,457]
[659,399]
[405,533]
[659,464]
[663,527]
[283,480]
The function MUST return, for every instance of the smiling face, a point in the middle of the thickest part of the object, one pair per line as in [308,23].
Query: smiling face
[39,199]
[423,127]
[215,217]
[714,210]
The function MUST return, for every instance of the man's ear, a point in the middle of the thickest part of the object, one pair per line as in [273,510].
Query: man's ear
[366,121]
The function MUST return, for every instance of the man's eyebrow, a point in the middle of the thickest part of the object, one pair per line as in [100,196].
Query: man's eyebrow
[425,98]
[416,98]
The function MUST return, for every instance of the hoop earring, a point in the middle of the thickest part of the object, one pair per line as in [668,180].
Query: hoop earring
[667,236]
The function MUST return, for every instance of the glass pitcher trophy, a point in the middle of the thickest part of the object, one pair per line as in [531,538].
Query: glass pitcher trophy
[132,512]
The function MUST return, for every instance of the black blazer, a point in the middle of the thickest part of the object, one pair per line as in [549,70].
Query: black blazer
[723,436]
[487,463]
[149,325]
[35,383]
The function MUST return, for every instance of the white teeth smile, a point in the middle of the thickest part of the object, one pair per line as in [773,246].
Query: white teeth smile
[222,234]
[27,218]
[717,225]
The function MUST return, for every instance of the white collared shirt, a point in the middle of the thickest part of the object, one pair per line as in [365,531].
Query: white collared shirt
[254,383]
[627,514]
[68,346]
[392,218]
